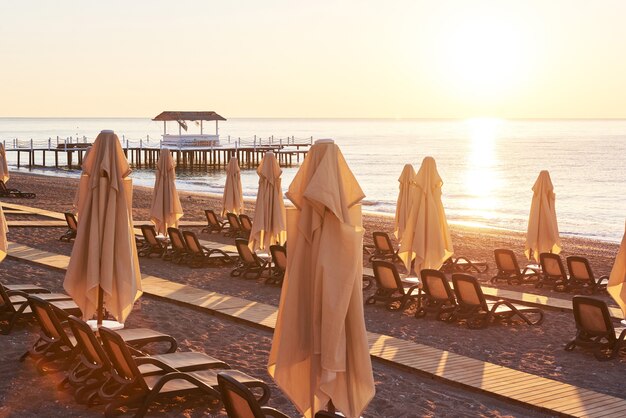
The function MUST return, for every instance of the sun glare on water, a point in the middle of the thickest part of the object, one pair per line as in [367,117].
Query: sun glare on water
[481,181]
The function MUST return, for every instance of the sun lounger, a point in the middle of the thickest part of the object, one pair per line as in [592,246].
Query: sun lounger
[509,270]
[54,350]
[178,253]
[6,192]
[553,272]
[464,265]
[213,223]
[199,255]
[246,225]
[438,297]
[594,328]
[383,248]
[239,402]
[581,276]
[90,370]
[72,227]
[11,313]
[125,378]
[27,288]
[249,265]
[478,313]
[391,290]
[279,265]
[151,244]
[234,226]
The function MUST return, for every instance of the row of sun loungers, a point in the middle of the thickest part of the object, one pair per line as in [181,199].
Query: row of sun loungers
[112,367]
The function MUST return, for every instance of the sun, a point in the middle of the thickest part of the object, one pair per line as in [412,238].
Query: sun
[482,58]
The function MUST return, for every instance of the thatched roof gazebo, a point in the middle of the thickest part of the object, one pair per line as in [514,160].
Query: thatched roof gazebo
[188,139]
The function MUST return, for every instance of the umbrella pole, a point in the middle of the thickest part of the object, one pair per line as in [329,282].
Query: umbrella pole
[100,311]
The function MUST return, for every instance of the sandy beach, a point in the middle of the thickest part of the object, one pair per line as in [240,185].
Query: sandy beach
[537,350]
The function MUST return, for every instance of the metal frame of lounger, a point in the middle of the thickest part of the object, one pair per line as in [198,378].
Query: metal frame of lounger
[125,378]
[383,248]
[509,269]
[594,328]
[6,192]
[213,223]
[239,402]
[553,272]
[581,275]
[72,227]
[478,313]
[249,265]
[279,265]
[437,296]
[199,255]
[464,265]
[234,229]
[151,244]
[178,253]
[391,290]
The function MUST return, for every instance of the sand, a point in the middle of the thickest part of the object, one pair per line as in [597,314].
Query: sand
[538,350]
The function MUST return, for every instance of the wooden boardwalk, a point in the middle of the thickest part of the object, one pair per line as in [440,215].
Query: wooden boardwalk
[532,299]
[503,382]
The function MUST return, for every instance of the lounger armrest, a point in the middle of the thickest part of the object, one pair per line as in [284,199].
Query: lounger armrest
[529,271]
[272,412]
[154,362]
[602,278]
[412,288]
[17,293]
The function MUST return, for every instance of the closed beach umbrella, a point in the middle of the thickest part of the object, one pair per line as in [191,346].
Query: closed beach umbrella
[320,352]
[403,206]
[426,239]
[617,280]
[166,209]
[83,182]
[4,244]
[232,201]
[543,231]
[4,167]
[269,225]
[103,267]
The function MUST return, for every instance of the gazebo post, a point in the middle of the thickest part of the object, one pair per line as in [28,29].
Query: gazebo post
[200,127]
[216,127]
[164,127]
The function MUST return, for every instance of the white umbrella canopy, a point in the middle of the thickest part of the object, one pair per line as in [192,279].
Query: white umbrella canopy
[232,200]
[269,224]
[426,240]
[4,167]
[403,205]
[320,352]
[617,280]
[543,230]
[166,209]
[4,244]
[103,267]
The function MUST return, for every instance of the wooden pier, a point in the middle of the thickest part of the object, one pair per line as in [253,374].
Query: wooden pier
[70,155]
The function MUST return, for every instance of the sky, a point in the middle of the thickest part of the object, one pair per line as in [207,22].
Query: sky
[323,59]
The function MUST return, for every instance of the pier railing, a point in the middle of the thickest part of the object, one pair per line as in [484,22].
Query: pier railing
[255,141]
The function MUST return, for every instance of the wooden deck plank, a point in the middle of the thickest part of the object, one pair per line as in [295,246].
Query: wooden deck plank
[522,387]
[616,410]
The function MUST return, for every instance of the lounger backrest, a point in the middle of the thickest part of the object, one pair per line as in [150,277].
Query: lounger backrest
[211,217]
[552,265]
[244,252]
[191,240]
[579,268]
[87,342]
[47,319]
[233,220]
[468,291]
[386,275]
[149,234]
[382,242]
[119,355]
[239,402]
[592,316]
[279,256]
[245,222]
[435,285]
[506,261]
[3,187]
[71,221]
[176,238]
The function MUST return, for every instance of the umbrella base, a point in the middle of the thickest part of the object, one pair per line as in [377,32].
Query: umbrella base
[112,325]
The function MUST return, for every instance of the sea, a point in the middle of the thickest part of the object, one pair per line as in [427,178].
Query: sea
[488,166]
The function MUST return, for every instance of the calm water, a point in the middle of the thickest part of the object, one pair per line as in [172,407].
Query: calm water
[488,166]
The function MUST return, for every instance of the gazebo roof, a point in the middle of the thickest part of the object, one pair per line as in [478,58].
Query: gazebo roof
[177,116]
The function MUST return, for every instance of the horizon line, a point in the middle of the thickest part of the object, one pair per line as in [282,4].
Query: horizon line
[337,118]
